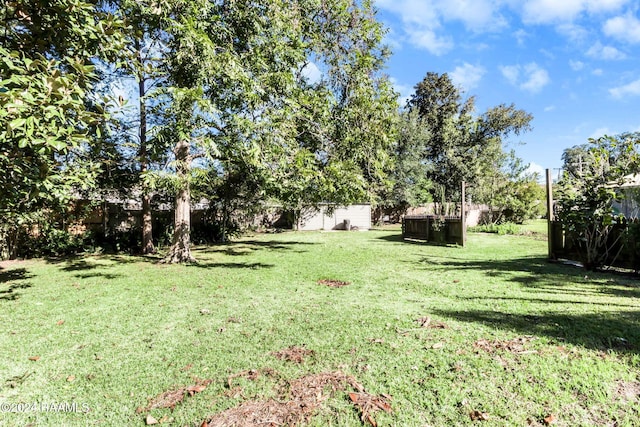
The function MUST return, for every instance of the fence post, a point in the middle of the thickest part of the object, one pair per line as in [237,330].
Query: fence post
[463,214]
[550,218]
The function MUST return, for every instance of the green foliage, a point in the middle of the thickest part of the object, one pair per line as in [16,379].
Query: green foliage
[501,229]
[411,185]
[585,201]
[46,73]
[460,146]
[221,81]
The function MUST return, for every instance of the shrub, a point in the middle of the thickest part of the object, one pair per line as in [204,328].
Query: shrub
[500,229]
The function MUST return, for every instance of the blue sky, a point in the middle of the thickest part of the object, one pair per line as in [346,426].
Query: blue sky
[573,64]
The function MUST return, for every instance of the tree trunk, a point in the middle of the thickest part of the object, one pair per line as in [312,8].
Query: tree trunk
[147,222]
[147,226]
[180,249]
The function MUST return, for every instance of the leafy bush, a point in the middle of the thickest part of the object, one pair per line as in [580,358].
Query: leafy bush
[500,229]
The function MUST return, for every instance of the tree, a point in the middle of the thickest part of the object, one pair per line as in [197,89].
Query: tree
[411,185]
[230,70]
[45,84]
[143,60]
[234,70]
[585,202]
[462,147]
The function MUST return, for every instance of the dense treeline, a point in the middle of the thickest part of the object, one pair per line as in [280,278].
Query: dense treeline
[237,102]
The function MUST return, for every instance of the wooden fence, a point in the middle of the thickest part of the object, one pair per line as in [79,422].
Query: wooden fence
[434,229]
[622,248]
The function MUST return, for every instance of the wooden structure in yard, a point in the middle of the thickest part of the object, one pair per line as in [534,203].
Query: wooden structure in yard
[620,249]
[437,228]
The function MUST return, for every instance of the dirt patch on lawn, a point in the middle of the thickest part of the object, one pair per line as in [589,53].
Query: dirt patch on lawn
[332,283]
[298,402]
[293,354]
[515,346]
[170,398]
[427,322]
[627,391]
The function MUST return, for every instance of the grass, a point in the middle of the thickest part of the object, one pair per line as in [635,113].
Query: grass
[524,339]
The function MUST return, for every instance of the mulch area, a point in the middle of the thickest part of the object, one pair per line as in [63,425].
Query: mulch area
[298,401]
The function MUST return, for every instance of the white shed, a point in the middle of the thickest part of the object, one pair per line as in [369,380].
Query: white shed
[324,218]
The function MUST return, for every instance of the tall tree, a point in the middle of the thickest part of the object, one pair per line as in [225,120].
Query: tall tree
[410,173]
[245,58]
[143,61]
[463,147]
[46,78]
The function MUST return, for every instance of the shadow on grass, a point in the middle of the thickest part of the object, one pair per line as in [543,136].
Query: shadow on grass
[108,276]
[397,238]
[85,268]
[540,275]
[245,247]
[16,275]
[248,265]
[618,331]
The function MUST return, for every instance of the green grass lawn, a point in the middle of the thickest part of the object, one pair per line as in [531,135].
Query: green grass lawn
[490,333]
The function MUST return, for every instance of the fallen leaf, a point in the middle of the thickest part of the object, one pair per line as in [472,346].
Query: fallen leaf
[424,321]
[187,367]
[549,419]
[34,358]
[196,389]
[60,322]
[71,378]
[437,345]
[150,420]
[479,416]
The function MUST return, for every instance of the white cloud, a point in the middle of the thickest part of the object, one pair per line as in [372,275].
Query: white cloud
[405,91]
[423,19]
[511,73]
[554,11]
[531,77]
[426,38]
[599,133]
[477,15]
[537,78]
[597,72]
[467,76]
[600,51]
[573,32]
[576,65]
[521,35]
[312,73]
[631,89]
[549,108]
[625,28]
[537,169]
